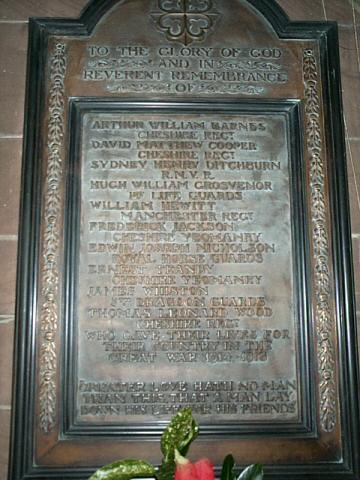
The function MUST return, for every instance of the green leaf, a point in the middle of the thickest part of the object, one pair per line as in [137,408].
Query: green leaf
[227,471]
[166,471]
[253,472]
[125,470]
[179,434]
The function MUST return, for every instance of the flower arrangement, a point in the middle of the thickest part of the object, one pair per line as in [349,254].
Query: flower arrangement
[175,443]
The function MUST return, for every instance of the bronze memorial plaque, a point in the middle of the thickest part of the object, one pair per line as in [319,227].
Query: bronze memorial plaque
[180,254]
[185,241]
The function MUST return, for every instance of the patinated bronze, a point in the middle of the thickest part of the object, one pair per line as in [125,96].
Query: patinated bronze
[187,241]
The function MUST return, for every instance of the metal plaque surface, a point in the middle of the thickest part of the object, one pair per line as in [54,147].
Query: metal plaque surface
[185,241]
[185,282]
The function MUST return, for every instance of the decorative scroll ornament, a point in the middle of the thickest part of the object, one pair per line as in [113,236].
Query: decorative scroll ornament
[162,87]
[105,63]
[50,267]
[185,20]
[320,238]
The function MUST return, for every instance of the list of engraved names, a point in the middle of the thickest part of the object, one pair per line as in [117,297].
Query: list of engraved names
[185,281]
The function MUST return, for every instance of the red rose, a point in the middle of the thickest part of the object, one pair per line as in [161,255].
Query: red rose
[200,470]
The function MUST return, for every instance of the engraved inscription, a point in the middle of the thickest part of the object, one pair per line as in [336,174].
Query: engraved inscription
[186,268]
[205,397]
[185,69]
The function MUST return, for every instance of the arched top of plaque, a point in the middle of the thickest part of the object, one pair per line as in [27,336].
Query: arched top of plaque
[197,12]
[193,48]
